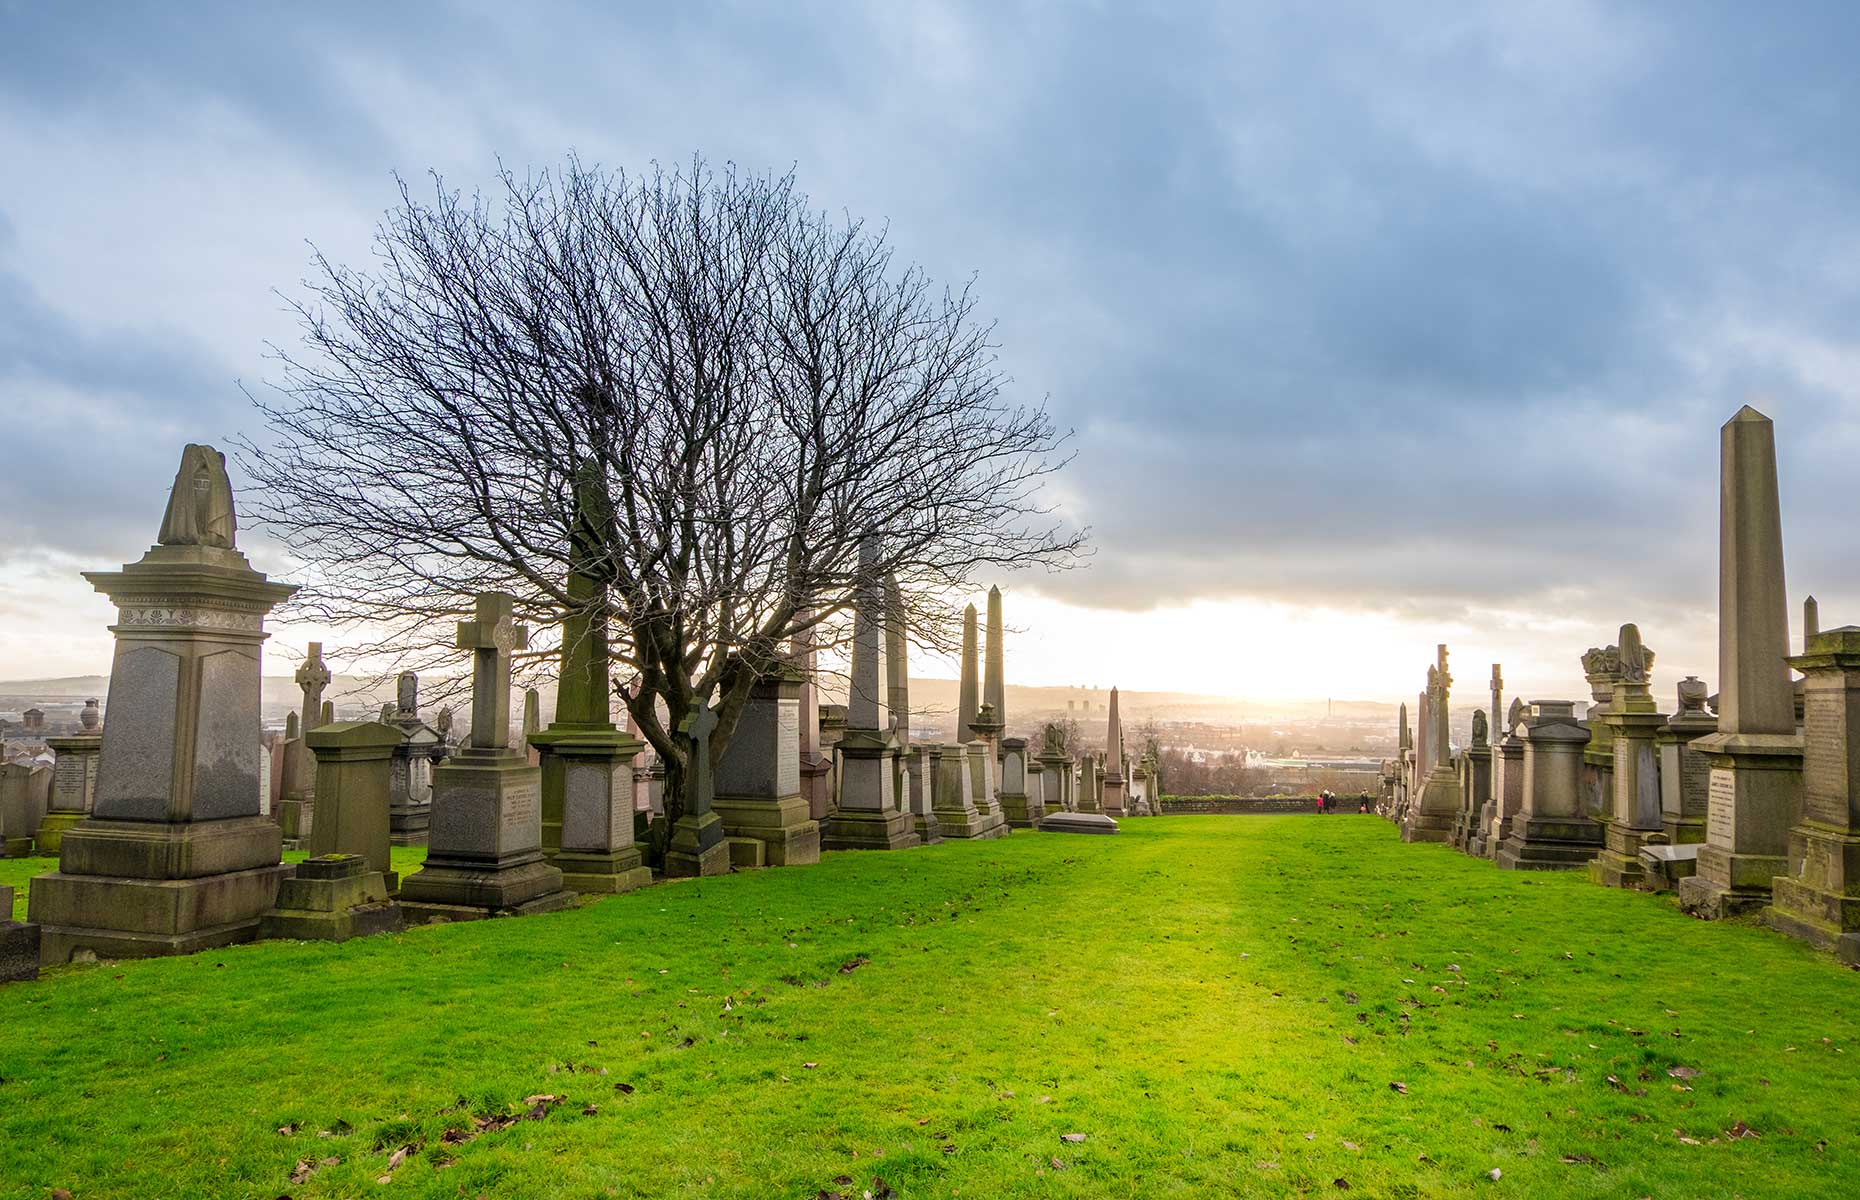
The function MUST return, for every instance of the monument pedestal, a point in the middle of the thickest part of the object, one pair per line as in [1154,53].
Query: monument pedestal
[758,792]
[485,854]
[921,767]
[958,814]
[588,790]
[698,847]
[74,784]
[1634,803]
[1431,819]
[332,898]
[1820,903]
[175,856]
[869,816]
[1550,830]
[1755,799]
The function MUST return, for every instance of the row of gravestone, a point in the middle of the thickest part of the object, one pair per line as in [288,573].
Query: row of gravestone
[172,854]
[1755,806]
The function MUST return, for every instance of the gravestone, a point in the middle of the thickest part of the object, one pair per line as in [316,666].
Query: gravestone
[175,856]
[25,798]
[587,762]
[697,846]
[1081,802]
[985,766]
[1755,790]
[1021,807]
[1432,809]
[484,848]
[1055,771]
[421,748]
[1685,774]
[968,686]
[74,779]
[816,766]
[1114,781]
[1475,769]
[1551,830]
[19,944]
[1634,813]
[354,761]
[1507,779]
[922,767]
[1821,902]
[870,814]
[759,780]
[994,676]
[297,809]
[958,813]
[344,888]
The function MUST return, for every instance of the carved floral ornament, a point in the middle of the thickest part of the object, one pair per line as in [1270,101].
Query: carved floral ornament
[175,616]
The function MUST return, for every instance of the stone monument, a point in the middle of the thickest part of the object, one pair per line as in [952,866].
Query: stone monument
[175,856]
[1756,754]
[1507,780]
[1634,814]
[297,810]
[1821,903]
[484,853]
[1685,775]
[1431,812]
[870,815]
[74,778]
[759,779]
[1551,830]
[410,780]
[343,890]
[816,766]
[586,761]
[922,772]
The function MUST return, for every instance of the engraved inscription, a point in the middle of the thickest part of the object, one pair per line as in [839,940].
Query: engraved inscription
[522,806]
[788,749]
[1721,823]
[1824,761]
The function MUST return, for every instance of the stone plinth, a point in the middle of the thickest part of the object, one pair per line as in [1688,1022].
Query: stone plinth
[74,786]
[1551,830]
[175,856]
[958,815]
[1755,792]
[1475,784]
[25,797]
[1685,775]
[410,781]
[1634,810]
[1820,903]
[759,780]
[19,943]
[588,773]
[484,849]
[1020,808]
[1430,815]
[922,766]
[332,898]
[353,762]
[869,816]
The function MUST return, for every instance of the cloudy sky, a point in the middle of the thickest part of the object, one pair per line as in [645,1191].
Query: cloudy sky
[1378,325]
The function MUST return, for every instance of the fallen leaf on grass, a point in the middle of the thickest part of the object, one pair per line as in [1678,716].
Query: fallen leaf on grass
[1349,1145]
[1058,1165]
[809,1066]
[1683,1072]
[1342,1185]
[288,1130]
[848,967]
[1074,1138]
[590,1110]
[625,1089]
[1349,1039]
[1741,1130]
[1399,1087]
[1581,1160]
[1495,1174]
[398,1157]
[880,1189]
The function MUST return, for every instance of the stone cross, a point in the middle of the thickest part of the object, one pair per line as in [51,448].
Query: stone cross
[491,639]
[699,783]
[1498,693]
[313,677]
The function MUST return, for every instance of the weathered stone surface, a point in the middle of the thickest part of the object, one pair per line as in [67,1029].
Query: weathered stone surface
[1634,813]
[353,767]
[1020,806]
[332,898]
[1551,831]
[1755,793]
[1820,902]
[957,814]
[759,780]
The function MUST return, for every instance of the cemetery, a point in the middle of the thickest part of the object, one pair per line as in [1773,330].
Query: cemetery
[651,685]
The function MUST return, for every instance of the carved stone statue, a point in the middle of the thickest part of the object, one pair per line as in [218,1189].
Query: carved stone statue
[1514,715]
[1692,694]
[1479,727]
[1633,656]
[200,508]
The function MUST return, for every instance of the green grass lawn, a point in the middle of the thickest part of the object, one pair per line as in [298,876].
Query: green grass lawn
[1221,1006]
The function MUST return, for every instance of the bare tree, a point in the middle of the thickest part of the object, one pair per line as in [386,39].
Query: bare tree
[757,387]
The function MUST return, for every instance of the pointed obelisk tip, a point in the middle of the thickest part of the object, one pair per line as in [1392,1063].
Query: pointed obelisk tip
[1748,413]
[995,590]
